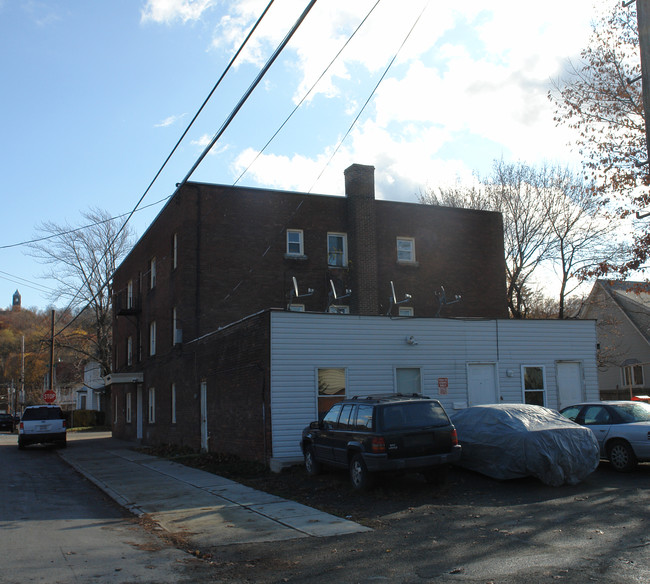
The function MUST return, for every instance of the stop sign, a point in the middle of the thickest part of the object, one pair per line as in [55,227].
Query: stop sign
[49,396]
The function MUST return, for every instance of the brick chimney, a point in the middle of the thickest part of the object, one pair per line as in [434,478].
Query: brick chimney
[360,192]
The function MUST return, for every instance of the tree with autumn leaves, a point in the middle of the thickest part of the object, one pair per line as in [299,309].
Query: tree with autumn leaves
[600,97]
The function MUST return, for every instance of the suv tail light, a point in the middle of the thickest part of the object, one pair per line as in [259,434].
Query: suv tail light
[22,426]
[454,437]
[65,425]
[378,445]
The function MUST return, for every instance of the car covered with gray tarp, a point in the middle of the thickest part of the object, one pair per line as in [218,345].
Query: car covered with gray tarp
[508,441]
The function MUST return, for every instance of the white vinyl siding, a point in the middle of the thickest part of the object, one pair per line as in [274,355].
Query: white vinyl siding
[371,348]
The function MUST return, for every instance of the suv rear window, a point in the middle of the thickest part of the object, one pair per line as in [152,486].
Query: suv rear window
[414,415]
[42,414]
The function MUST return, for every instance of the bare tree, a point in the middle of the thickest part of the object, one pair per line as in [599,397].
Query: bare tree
[600,97]
[82,260]
[549,219]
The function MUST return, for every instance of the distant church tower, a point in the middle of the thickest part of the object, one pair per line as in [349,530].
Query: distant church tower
[15,305]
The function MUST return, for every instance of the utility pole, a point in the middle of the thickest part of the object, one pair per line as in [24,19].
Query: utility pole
[51,384]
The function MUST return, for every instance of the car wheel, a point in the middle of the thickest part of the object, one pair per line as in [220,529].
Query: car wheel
[359,476]
[312,466]
[621,456]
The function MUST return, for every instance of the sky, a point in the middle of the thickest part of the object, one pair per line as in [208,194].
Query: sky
[95,95]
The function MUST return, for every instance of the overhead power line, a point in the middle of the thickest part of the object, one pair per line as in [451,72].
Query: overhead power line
[223,128]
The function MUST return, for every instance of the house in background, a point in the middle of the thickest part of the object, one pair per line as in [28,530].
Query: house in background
[89,393]
[622,312]
[241,314]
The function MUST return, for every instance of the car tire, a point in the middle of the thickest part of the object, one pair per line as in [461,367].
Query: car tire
[312,466]
[621,456]
[360,478]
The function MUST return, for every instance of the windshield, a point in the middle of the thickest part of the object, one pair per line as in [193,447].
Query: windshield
[634,412]
[43,414]
[414,415]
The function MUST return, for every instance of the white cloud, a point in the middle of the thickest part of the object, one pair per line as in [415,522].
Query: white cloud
[168,11]
[169,121]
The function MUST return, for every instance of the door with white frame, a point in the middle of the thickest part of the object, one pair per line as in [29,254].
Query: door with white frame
[481,384]
[569,383]
[204,416]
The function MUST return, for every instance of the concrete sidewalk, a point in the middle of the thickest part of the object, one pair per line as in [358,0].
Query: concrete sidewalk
[207,509]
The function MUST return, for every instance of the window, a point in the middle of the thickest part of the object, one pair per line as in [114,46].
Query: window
[331,388]
[129,351]
[295,242]
[405,249]
[405,311]
[297,308]
[152,338]
[152,273]
[337,253]
[633,376]
[175,251]
[408,380]
[128,408]
[173,392]
[533,385]
[129,294]
[597,416]
[152,405]
[364,417]
[339,309]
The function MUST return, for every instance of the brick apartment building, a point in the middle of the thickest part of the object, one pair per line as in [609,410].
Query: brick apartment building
[217,254]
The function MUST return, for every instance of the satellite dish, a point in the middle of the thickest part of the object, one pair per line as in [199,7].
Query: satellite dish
[295,287]
[394,298]
[333,290]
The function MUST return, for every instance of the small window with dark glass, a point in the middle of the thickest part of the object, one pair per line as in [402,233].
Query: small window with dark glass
[295,245]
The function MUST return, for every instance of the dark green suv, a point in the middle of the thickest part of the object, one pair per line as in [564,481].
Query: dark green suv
[394,433]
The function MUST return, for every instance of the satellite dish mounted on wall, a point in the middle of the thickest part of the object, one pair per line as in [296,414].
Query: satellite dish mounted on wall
[332,296]
[442,300]
[293,294]
[393,299]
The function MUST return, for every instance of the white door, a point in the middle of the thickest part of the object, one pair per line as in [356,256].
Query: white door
[481,384]
[138,413]
[204,416]
[569,383]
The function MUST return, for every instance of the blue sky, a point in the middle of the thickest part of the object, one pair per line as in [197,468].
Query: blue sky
[96,94]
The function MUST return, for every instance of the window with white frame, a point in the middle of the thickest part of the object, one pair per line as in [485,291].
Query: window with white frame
[129,351]
[128,408]
[152,406]
[406,249]
[173,396]
[295,245]
[408,380]
[331,387]
[405,311]
[633,375]
[152,338]
[297,308]
[129,294]
[534,385]
[152,273]
[337,250]
[174,251]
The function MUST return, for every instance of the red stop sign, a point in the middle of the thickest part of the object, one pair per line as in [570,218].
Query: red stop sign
[49,396]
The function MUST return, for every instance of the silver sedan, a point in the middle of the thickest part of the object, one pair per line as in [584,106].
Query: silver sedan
[621,427]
